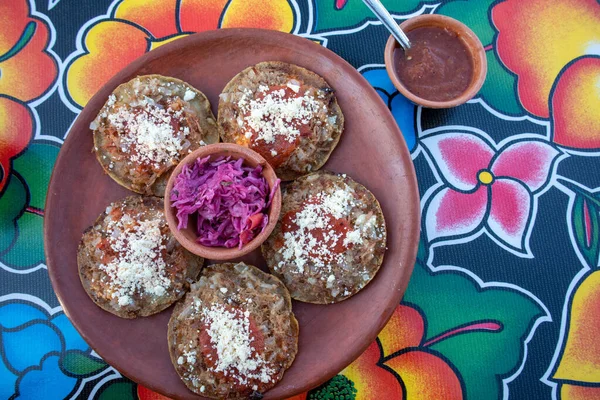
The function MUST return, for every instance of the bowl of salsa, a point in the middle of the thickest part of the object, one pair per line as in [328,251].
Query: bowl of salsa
[445,66]
[222,201]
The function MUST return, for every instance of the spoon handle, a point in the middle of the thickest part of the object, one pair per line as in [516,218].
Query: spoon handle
[388,21]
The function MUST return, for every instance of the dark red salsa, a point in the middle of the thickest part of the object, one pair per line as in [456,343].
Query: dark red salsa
[438,65]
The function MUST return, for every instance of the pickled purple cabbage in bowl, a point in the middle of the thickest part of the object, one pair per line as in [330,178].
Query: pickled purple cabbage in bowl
[228,199]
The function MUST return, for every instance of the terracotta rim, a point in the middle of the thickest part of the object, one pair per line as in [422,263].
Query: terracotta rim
[187,237]
[470,39]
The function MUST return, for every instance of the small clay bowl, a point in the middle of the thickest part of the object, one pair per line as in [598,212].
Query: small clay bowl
[187,237]
[468,37]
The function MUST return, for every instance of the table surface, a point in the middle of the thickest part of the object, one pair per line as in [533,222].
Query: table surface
[504,300]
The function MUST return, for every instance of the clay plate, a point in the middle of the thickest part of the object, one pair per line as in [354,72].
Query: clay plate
[372,151]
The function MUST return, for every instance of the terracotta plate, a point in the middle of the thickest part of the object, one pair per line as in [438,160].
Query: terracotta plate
[371,150]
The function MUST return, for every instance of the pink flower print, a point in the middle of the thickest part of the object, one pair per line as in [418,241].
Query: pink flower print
[485,188]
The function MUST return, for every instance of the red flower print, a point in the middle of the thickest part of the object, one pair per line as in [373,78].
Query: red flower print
[27,70]
[16,129]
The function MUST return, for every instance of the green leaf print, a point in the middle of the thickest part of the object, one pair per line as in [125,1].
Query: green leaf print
[80,364]
[345,14]
[118,390]
[12,203]
[35,166]
[22,207]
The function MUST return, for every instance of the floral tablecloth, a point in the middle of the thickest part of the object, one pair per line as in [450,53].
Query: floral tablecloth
[505,296]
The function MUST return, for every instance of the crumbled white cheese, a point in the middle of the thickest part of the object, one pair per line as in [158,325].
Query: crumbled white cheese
[138,266]
[302,247]
[180,360]
[202,389]
[223,290]
[190,356]
[189,95]
[276,115]
[111,100]
[273,153]
[364,226]
[353,237]
[124,300]
[294,87]
[146,134]
[229,332]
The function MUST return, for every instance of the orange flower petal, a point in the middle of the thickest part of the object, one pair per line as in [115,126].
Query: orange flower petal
[111,46]
[274,14]
[572,392]
[537,38]
[156,16]
[371,380]
[155,44]
[580,361]
[13,18]
[200,15]
[404,329]
[576,105]
[28,73]
[426,376]
[146,394]
[16,130]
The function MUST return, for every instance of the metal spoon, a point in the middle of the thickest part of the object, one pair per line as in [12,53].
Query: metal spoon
[386,19]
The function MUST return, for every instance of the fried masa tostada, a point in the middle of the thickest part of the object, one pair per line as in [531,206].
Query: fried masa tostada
[330,239]
[129,262]
[147,126]
[286,113]
[234,334]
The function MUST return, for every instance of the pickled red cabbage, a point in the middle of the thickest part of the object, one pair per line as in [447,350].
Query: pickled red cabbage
[228,199]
